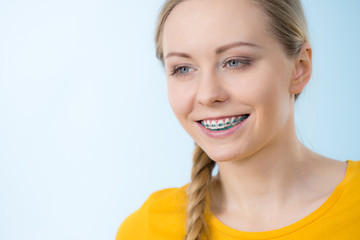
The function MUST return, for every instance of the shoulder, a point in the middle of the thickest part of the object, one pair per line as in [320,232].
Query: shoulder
[171,196]
[164,209]
[353,173]
[349,187]
[346,197]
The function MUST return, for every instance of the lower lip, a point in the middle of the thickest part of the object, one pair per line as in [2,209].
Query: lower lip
[222,133]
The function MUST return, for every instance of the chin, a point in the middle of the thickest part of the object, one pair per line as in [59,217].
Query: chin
[224,154]
[234,151]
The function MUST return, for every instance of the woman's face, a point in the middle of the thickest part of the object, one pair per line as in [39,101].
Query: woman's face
[225,69]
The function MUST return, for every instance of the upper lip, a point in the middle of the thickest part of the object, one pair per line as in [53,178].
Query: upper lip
[221,117]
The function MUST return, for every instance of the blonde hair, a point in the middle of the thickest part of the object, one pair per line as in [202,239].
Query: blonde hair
[287,23]
[197,191]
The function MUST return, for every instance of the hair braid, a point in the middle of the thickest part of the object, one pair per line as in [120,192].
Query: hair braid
[197,191]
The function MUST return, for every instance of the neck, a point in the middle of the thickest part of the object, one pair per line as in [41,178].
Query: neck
[268,178]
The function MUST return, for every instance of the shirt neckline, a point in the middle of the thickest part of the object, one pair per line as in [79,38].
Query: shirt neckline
[332,199]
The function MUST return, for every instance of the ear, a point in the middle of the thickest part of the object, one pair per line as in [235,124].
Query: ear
[303,69]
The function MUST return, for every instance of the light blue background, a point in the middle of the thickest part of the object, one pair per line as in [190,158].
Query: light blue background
[86,133]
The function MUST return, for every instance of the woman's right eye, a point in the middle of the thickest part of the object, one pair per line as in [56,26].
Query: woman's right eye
[181,71]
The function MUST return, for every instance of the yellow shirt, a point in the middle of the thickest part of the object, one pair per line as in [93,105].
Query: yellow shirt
[163,216]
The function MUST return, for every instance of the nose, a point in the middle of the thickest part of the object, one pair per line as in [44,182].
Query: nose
[211,89]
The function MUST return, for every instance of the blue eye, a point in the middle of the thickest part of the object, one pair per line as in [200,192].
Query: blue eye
[181,70]
[184,70]
[236,64]
[233,63]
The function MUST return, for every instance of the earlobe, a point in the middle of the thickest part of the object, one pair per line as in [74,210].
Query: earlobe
[303,70]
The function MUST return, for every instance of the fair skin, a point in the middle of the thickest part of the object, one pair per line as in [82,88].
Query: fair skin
[267,178]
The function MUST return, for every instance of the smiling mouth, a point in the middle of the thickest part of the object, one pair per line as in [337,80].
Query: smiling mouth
[224,123]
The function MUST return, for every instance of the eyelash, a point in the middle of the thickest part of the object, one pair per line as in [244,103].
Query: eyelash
[243,63]
[175,71]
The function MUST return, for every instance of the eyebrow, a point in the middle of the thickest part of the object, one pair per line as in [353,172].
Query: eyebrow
[217,51]
[233,45]
[178,54]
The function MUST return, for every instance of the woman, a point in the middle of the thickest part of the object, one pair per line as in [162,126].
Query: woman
[234,70]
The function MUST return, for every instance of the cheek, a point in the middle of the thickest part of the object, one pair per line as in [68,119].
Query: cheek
[180,100]
[256,89]
[266,90]
[270,85]
[274,98]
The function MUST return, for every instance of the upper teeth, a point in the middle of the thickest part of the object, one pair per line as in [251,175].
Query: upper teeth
[223,123]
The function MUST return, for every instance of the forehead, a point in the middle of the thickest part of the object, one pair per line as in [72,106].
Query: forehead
[200,25]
